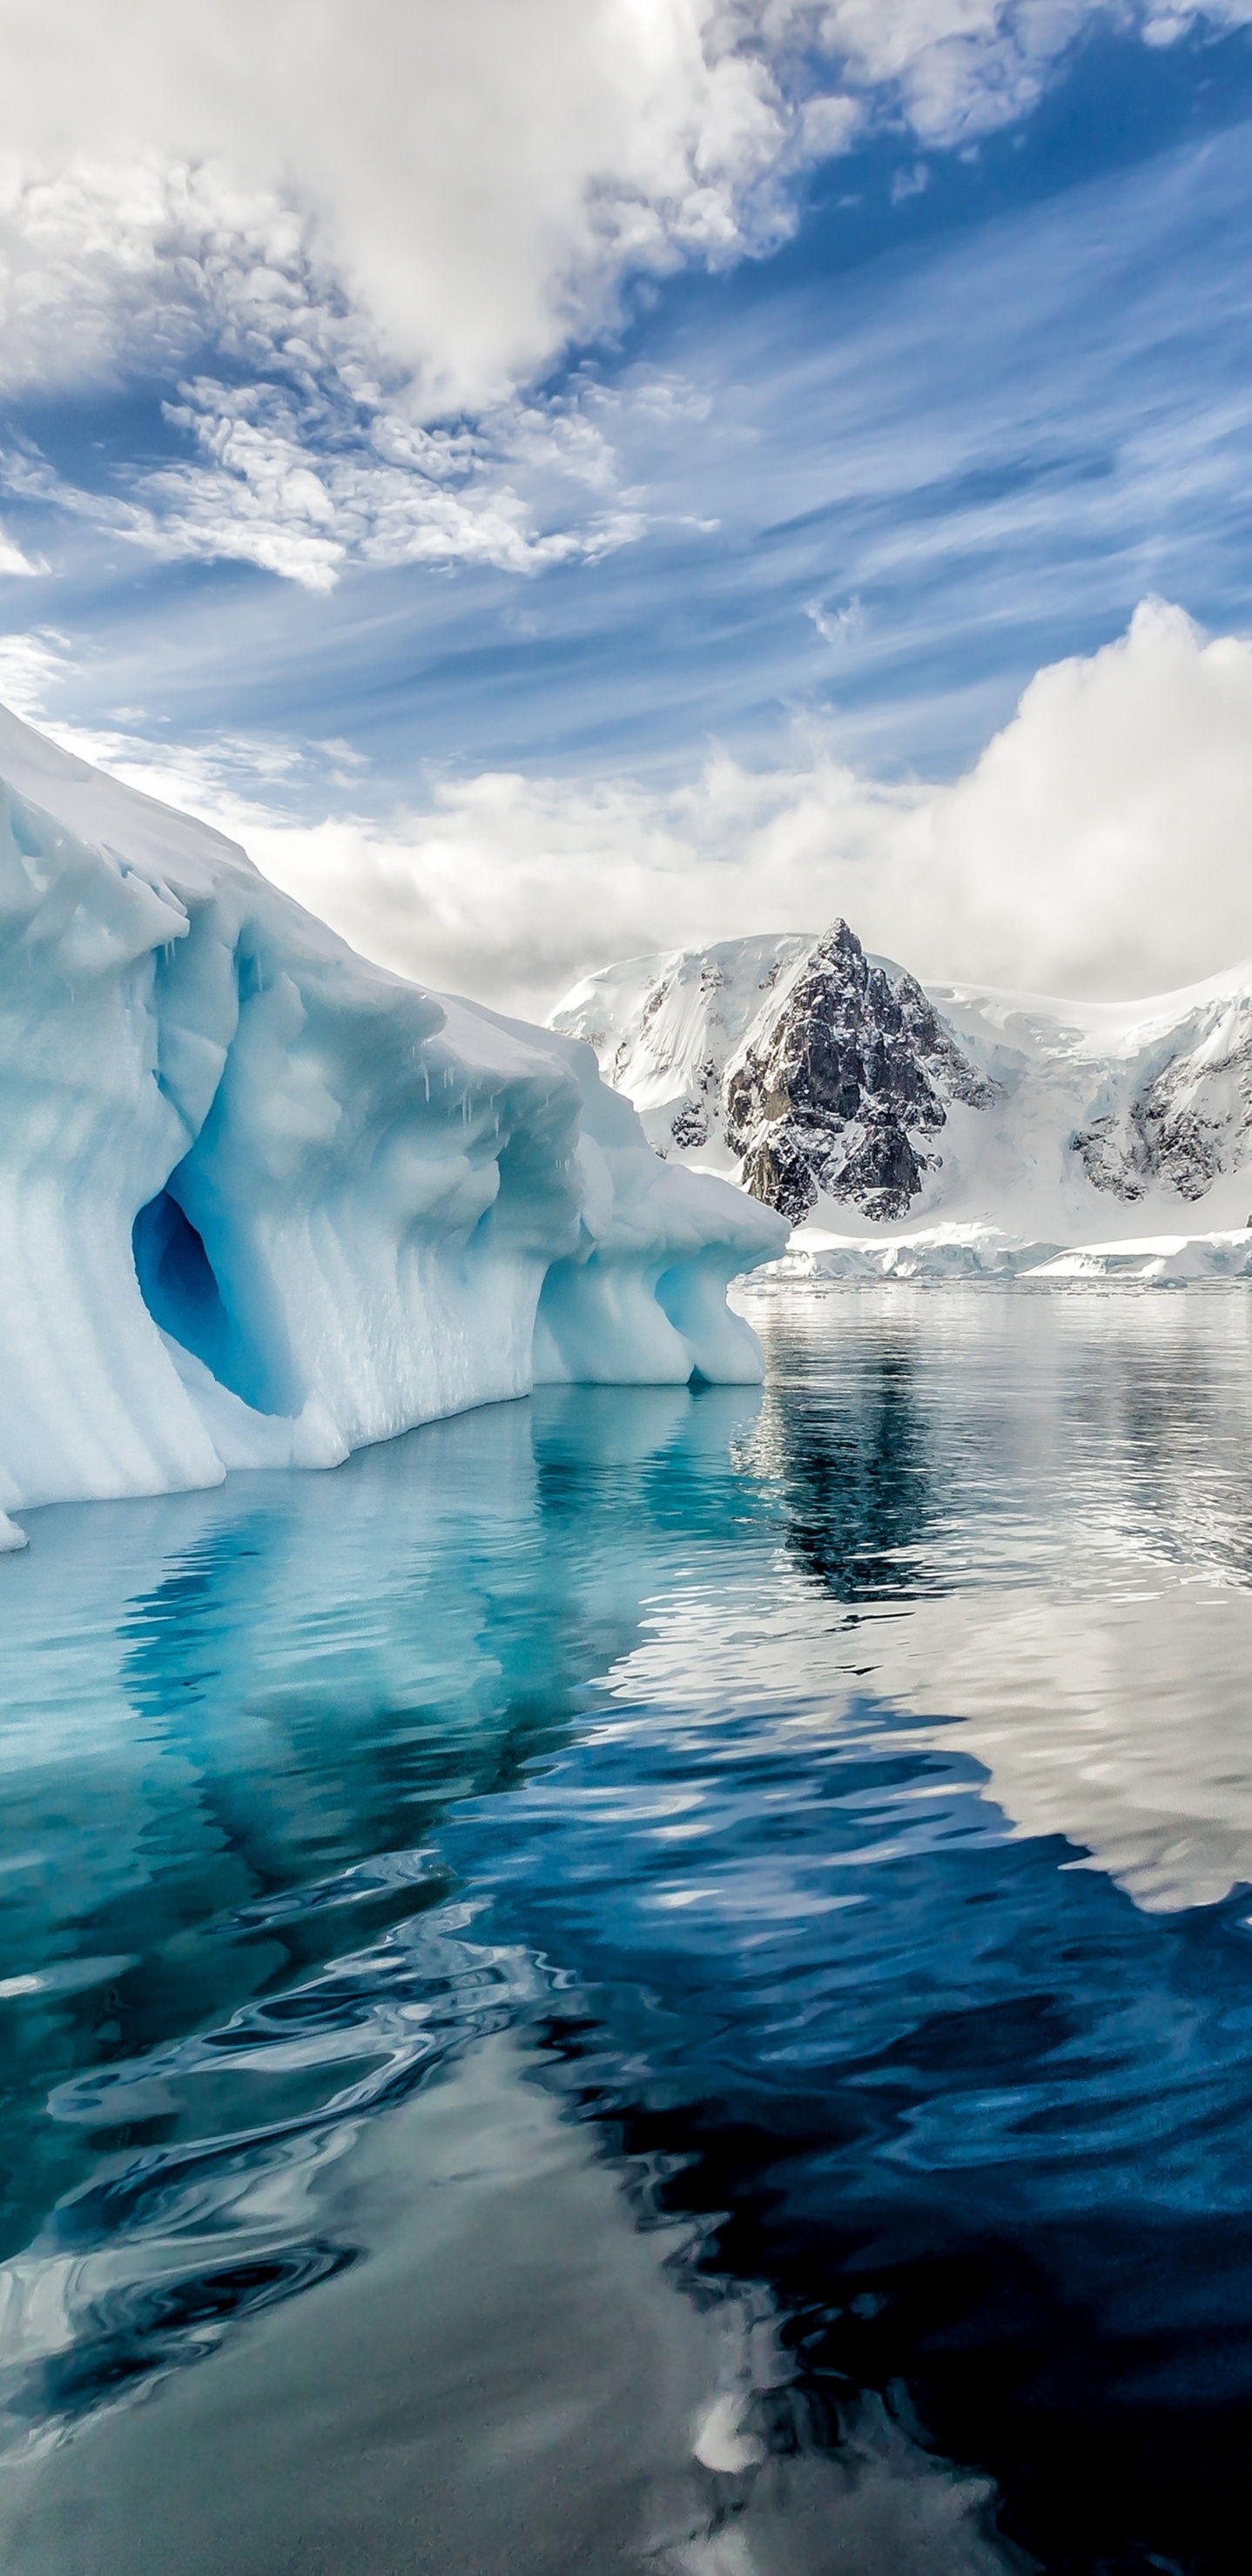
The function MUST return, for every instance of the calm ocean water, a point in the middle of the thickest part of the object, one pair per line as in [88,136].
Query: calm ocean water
[650,1979]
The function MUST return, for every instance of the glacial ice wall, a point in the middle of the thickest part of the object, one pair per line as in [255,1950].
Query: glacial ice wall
[261,1202]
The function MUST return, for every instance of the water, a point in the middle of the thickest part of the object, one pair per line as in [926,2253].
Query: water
[650,1979]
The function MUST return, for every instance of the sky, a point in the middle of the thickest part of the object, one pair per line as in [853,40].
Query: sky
[565,478]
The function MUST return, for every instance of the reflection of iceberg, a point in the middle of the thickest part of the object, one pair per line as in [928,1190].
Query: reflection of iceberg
[544,1716]
[261,1203]
[261,1738]
[674,1730]
[244,1763]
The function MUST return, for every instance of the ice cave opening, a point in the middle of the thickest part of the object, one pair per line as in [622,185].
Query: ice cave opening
[179,1287]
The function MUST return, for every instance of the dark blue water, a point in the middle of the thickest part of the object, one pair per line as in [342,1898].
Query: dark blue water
[840,1803]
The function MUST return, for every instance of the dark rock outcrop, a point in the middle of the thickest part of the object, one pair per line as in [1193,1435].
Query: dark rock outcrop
[1185,1127]
[838,1092]
[691,1122]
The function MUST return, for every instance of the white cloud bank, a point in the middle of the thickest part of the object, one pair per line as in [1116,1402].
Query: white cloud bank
[376,215]
[1101,846]
[479,178]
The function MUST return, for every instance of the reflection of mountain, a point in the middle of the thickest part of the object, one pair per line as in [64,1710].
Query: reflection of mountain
[683,1736]
[855,1467]
[932,1439]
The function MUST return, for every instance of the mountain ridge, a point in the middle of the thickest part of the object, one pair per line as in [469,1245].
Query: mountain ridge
[866,1105]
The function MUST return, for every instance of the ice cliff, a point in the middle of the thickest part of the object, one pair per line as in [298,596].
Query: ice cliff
[261,1202]
[952,1129]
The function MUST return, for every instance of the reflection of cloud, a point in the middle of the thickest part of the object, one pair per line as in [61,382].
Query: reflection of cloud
[1038,1511]
[1122,1725]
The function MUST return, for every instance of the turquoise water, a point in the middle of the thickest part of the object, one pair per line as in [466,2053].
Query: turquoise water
[767,1878]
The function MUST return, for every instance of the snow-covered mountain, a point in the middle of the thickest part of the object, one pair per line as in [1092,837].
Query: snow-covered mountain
[261,1203]
[949,1127]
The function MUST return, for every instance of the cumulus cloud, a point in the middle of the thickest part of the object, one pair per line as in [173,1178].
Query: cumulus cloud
[1101,846]
[303,453]
[477,180]
[1103,843]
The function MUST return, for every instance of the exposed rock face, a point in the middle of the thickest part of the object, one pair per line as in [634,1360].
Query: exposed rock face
[1186,1126]
[690,1123]
[819,1075]
[840,1091]
[664,1029]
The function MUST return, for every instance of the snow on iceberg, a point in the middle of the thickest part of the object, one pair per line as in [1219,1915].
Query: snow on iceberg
[261,1202]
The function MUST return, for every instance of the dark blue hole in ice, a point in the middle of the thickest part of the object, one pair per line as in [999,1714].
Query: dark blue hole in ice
[180,1290]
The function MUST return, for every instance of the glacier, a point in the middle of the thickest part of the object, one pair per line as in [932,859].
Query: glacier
[262,1202]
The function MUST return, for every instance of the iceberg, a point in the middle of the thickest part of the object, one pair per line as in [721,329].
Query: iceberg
[262,1202]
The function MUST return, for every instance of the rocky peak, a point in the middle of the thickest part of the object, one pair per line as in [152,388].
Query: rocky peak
[835,1090]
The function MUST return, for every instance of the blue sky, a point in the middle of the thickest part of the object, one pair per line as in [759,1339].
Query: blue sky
[833,495]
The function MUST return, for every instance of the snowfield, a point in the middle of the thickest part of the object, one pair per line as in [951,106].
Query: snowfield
[949,1131]
[261,1202]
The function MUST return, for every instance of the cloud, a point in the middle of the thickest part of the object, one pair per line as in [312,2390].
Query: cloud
[285,484]
[304,454]
[835,626]
[476,180]
[31,668]
[344,241]
[1101,845]
[13,562]
[472,184]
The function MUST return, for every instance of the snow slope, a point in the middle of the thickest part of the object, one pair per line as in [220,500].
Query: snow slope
[955,1130]
[261,1202]
[664,1029]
